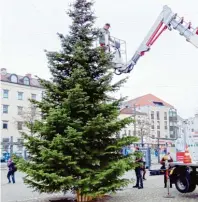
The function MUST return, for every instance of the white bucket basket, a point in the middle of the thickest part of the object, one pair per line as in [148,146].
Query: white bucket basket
[118,48]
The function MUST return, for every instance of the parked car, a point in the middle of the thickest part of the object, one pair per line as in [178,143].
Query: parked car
[3,159]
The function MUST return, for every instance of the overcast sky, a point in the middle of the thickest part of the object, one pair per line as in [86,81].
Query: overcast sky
[169,70]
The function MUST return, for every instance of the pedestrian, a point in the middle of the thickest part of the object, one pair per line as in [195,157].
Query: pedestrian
[104,37]
[11,171]
[165,158]
[138,170]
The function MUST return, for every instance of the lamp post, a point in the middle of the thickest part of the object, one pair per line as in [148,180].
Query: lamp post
[185,132]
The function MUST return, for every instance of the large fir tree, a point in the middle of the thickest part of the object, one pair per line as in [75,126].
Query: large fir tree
[74,146]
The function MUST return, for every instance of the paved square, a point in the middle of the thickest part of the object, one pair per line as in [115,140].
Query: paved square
[153,191]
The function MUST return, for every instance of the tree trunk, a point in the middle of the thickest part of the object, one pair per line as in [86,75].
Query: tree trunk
[83,198]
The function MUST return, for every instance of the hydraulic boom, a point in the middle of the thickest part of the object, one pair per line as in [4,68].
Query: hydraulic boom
[166,20]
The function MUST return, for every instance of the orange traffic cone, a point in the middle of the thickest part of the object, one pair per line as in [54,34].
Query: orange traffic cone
[187,157]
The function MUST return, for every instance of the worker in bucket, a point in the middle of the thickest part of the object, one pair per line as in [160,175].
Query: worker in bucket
[104,37]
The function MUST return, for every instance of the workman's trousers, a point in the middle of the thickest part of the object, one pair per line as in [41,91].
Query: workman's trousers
[139,180]
[165,180]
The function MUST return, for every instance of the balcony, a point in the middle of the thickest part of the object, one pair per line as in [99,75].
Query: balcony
[172,119]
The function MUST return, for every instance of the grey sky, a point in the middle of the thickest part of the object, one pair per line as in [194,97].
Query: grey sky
[168,71]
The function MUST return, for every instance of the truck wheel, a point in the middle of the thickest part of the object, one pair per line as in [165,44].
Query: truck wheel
[182,184]
[192,188]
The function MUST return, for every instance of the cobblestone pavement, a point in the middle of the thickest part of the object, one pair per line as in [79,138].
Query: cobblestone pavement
[153,192]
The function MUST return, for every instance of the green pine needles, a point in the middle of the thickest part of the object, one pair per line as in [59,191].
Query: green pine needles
[74,146]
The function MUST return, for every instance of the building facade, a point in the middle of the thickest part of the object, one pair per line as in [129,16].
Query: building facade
[192,127]
[162,117]
[16,108]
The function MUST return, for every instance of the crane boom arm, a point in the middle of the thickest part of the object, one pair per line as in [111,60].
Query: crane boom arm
[166,20]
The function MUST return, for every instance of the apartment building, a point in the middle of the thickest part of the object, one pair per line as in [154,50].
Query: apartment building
[162,116]
[193,123]
[16,91]
[192,127]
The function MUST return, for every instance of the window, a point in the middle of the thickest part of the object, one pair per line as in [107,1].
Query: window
[5,124]
[5,144]
[165,115]
[152,115]
[174,114]
[153,125]
[42,94]
[26,81]
[172,134]
[34,96]
[125,133]
[158,115]
[5,109]
[158,124]
[19,125]
[20,144]
[165,125]
[20,95]
[118,135]
[33,110]
[192,130]
[14,78]
[158,103]
[129,133]
[20,110]
[6,140]
[5,93]
[158,133]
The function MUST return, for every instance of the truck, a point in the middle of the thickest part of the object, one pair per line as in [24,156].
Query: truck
[183,175]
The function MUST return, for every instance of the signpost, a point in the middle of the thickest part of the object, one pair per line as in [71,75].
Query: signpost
[167,166]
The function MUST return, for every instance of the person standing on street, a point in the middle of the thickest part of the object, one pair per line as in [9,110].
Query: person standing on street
[138,170]
[168,158]
[11,171]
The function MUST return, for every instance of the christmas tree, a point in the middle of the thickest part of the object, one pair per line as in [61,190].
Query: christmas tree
[74,146]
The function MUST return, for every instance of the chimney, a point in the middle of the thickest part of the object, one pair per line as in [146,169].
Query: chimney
[3,71]
[29,76]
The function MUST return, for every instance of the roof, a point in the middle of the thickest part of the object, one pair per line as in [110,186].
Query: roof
[148,100]
[131,111]
[6,77]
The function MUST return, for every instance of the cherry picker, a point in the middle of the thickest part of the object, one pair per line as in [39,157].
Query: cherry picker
[184,175]
[167,20]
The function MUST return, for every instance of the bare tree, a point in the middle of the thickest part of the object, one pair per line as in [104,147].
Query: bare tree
[144,127]
[24,121]
[27,116]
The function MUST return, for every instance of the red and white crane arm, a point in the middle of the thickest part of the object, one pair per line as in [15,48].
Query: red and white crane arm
[167,20]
